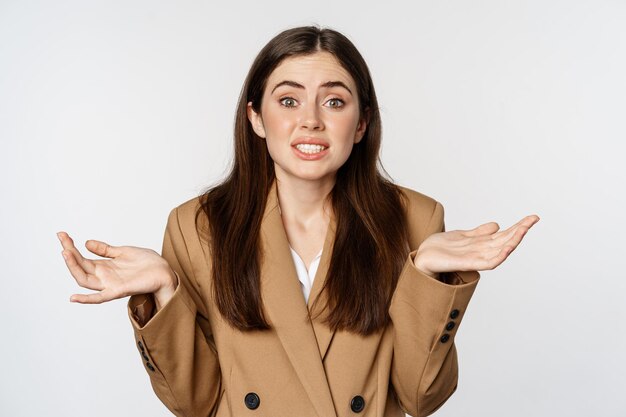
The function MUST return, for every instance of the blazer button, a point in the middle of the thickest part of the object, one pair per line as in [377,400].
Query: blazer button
[357,404]
[450,326]
[454,314]
[444,338]
[252,400]
[149,365]
[140,346]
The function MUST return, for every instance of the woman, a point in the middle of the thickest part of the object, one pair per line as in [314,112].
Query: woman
[305,284]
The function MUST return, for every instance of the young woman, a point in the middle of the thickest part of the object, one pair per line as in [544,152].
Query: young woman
[305,284]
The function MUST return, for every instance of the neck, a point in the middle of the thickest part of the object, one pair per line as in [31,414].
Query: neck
[302,202]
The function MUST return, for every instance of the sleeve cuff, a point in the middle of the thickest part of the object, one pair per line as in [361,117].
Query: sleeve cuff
[432,302]
[142,307]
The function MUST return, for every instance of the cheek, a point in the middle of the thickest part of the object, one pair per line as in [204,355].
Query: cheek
[345,125]
[277,121]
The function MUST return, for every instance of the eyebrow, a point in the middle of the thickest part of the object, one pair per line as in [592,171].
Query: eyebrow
[327,84]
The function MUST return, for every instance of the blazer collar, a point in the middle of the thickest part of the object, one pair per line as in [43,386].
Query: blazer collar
[305,340]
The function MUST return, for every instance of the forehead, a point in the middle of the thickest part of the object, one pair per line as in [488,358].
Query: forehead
[311,69]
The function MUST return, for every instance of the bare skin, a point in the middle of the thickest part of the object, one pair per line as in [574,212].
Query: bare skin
[478,249]
[130,270]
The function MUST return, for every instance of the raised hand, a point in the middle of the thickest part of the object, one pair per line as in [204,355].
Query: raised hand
[131,270]
[478,249]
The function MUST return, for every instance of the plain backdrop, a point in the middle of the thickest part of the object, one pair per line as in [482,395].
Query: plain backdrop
[114,112]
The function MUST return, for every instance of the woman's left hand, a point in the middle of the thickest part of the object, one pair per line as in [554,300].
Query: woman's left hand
[478,249]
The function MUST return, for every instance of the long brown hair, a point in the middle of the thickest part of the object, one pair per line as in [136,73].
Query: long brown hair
[370,244]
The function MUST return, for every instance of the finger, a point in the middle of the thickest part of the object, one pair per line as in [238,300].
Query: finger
[483,229]
[501,238]
[527,221]
[534,217]
[491,259]
[68,245]
[524,224]
[75,269]
[505,247]
[95,298]
[83,278]
[517,236]
[103,249]
[505,244]
[501,256]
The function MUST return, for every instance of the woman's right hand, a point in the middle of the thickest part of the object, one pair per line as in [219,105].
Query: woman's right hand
[131,270]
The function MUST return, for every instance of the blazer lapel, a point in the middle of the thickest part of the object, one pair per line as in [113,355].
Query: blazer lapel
[304,342]
[323,333]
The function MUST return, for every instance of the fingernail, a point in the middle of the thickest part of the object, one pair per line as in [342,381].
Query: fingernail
[64,255]
[59,236]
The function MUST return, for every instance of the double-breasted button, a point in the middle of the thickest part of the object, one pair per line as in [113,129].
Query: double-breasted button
[252,400]
[357,404]
[149,365]
[445,338]
[454,313]
[450,326]
[145,357]
[141,348]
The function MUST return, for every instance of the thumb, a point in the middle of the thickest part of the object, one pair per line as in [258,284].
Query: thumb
[103,249]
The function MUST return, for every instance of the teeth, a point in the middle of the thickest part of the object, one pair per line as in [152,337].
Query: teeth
[309,148]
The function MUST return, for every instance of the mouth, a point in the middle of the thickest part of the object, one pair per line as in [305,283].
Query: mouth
[310,145]
[310,148]
[310,152]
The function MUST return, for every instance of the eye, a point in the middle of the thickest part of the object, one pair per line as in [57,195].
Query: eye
[335,103]
[288,102]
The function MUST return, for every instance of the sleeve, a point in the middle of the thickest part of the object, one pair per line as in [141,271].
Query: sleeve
[176,344]
[425,314]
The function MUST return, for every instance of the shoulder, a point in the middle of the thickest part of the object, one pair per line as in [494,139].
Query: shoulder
[418,203]
[183,216]
[187,235]
[188,208]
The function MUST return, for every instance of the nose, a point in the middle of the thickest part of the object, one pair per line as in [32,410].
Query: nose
[311,118]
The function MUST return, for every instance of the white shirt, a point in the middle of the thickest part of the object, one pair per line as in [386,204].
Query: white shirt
[306,277]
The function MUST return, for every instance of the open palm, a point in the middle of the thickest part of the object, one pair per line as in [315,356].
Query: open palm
[478,249]
[131,270]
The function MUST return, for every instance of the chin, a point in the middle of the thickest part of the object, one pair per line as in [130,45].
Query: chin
[318,176]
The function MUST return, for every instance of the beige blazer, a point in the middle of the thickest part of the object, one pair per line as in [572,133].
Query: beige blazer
[200,366]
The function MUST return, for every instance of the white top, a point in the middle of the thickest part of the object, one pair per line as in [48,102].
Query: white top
[305,276]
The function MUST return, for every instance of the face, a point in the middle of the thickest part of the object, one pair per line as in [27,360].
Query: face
[311,99]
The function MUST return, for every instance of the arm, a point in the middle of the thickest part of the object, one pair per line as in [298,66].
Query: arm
[424,370]
[176,343]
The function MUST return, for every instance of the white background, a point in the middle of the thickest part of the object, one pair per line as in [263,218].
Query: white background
[114,112]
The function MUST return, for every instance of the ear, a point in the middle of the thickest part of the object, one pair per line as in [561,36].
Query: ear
[361,127]
[256,121]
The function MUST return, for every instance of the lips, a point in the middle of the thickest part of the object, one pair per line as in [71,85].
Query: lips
[311,141]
